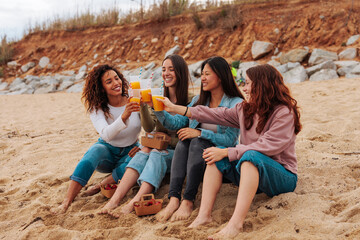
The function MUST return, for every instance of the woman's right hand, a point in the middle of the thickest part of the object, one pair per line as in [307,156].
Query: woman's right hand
[130,108]
[168,105]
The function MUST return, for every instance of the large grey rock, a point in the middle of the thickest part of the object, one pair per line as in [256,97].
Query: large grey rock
[356,69]
[295,55]
[80,76]
[44,61]
[17,87]
[347,68]
[35,84]
[324,74]
[260,49]
[150,66]
[350,75]
[76,87]
[292,65]
[31,78]
[273,63]
[157,77]
[146,74]
[18,92]
[195,69]
[283,68]
[319,56]
[16,82]
[26,67]
[48,80]
[245,66]
[3,85]
[173,50]
[325,65]
[83,68]
[68,72]
[64,85]
[295,75]
[62,78]
[340,64]
[45,89]
[12,64]
[196,82]
[352,39]
[349,54]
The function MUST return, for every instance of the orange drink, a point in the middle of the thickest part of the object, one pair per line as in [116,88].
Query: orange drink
[158,106]
[135,85]
[146,95]
[135,99]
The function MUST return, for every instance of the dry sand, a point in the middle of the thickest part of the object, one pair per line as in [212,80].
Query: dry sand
[42,137]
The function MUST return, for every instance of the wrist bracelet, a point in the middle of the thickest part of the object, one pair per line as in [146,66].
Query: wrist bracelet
[186,111]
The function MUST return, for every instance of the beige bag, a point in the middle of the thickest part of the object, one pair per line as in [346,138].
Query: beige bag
[158,140]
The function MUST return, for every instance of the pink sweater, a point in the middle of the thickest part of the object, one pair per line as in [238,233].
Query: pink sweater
[277,140]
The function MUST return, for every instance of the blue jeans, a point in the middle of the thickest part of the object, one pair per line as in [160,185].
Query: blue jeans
[152,166]
[104,158]
[274,179]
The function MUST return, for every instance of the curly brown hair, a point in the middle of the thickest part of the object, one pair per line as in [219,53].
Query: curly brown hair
[94,95]
[268,91]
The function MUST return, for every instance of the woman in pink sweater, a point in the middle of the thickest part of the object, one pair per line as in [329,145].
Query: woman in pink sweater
[265,158]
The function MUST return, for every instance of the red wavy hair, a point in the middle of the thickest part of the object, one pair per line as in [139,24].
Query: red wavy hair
[268,91]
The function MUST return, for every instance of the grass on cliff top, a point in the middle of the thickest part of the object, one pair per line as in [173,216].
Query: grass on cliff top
[160,10]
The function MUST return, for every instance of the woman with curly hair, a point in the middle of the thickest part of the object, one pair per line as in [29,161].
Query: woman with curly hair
[149,166]
[117,121]
[265,160]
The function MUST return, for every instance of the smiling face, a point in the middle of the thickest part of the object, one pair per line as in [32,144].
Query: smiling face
[209,80]
[168,73]
[112,83]
[247,87]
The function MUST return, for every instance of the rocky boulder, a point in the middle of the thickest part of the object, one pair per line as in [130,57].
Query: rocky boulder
[295,55]
[324,74]
[319,56]
[26,67]
[349,54]
[260,49]
[295,75]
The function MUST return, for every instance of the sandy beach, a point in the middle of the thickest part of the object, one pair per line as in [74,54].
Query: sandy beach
[42,138]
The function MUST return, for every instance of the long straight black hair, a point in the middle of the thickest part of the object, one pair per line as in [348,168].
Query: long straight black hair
[222,70]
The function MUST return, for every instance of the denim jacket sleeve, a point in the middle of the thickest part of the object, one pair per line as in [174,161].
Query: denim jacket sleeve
[225,136]
[229,138]
[174,122]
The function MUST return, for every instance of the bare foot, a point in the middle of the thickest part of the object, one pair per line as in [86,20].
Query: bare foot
[184,211]
[60,209]
[229,231]
[128,208]
[166,213]
[91,190]
[108,209]
[200,220]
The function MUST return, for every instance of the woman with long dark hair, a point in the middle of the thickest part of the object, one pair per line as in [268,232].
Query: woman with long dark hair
[117,121]
[149,166]
[218,88]
[265,160]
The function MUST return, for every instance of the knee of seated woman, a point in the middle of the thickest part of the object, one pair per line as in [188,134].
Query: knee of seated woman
[158,151]
[98,149]
[200,143]
[146,149]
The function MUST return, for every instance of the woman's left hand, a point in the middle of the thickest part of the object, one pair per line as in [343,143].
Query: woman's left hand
[214,154]
[186,133]
[133,151]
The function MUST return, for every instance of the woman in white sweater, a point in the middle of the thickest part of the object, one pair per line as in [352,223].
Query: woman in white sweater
[117,121]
